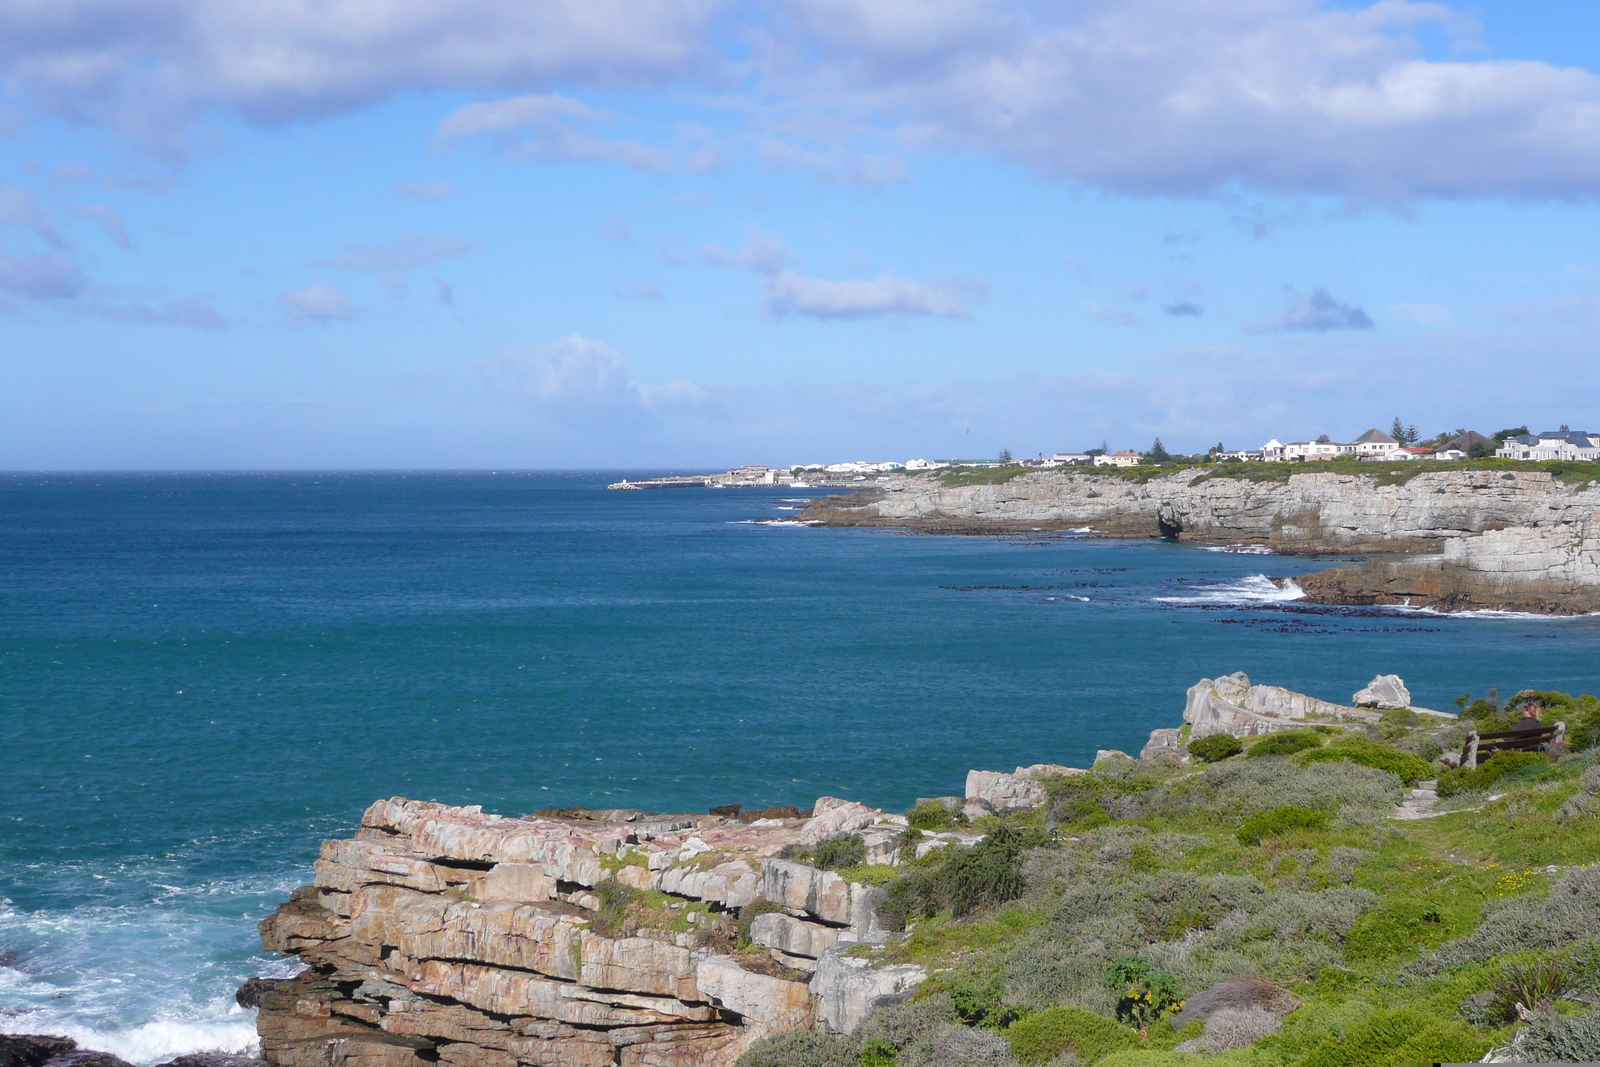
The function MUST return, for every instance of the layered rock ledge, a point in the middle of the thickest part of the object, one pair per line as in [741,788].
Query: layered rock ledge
[1511,540]
[444,934]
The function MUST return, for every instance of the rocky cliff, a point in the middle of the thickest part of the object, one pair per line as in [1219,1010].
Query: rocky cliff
[444,935]
[1519,539]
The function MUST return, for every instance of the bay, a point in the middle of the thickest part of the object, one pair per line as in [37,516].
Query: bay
[203,675]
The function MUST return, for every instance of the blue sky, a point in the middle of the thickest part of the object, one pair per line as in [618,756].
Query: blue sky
[367,233]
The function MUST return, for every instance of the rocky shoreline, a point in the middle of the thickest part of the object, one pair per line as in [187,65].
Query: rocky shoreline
[1477,539]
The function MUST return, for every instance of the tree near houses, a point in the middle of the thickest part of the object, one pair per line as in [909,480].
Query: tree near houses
[1157,453]
[1005,455]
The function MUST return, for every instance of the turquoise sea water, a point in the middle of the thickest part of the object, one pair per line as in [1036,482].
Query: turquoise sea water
[201,676]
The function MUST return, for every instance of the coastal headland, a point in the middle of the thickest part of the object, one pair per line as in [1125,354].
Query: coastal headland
[1487,536]
[983,922]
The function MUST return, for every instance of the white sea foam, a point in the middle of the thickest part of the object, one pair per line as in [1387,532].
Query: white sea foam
[1256,589]
[225,1027]
[771,522]
[1241,550]
[1482,613]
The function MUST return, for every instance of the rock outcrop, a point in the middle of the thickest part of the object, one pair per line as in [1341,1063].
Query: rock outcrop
[1507,539]
[1311,512]
[1386,692]
[1551,569]
[444,934]
[1232,705]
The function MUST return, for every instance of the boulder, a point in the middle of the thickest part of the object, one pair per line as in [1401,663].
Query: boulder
[32,1050]
[1101,755]
[848,986]
[1162,743]
[1004,792]
[86,1058]
[1385,692]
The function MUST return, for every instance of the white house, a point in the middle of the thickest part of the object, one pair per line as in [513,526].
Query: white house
[1120,458]
[1554,444]
[1374,443]
[1072,457]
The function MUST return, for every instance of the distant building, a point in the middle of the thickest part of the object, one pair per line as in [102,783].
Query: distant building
[1553,444]
[1075,458]
[1120,458]
[1374,443]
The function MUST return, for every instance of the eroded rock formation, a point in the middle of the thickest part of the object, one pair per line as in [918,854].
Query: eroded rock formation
[1521,539]
[445,935]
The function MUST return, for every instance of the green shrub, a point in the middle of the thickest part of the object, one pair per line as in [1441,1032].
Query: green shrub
[1279,821]
[962,879]
[611,918]
[1407,1035]
[1233,790]
[1569,1039]
[840,850]
[981,1002]
[1397,723]
[1409,768]
[1286,743]
[1041,1037]
[1536,986]
[1215,748]
[1397,927]
[1462,780]
[876,1052]
[935,816]
[1146,993]
[802,1048]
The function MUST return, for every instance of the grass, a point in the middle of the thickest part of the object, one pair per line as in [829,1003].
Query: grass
[1397,473]
[1393,937]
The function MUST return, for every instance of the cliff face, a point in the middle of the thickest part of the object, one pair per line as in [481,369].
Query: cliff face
[1519,540]
[1553,570]
[444,935]
[1306,513]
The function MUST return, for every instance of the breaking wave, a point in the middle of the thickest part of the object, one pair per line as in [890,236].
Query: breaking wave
[1256,589]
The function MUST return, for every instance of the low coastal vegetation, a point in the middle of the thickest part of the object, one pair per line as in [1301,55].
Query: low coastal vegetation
[1256,906]
[1387,473]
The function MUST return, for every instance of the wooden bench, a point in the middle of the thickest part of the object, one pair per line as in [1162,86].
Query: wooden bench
[1542,739]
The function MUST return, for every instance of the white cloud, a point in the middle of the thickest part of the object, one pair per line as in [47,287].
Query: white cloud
[1423,314]
[579,381]
[1144,96]
[1178,97]
[320,303]
[1314,312]
[412,250]
[637,291]
[788,292]
[17,208]
[1107,313]
[51,276]
[439,190]
[545,126]
[199,314]
[109,220]
[763,255]
[136,64]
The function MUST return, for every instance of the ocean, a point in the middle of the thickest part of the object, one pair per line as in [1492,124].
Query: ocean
[204,675]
